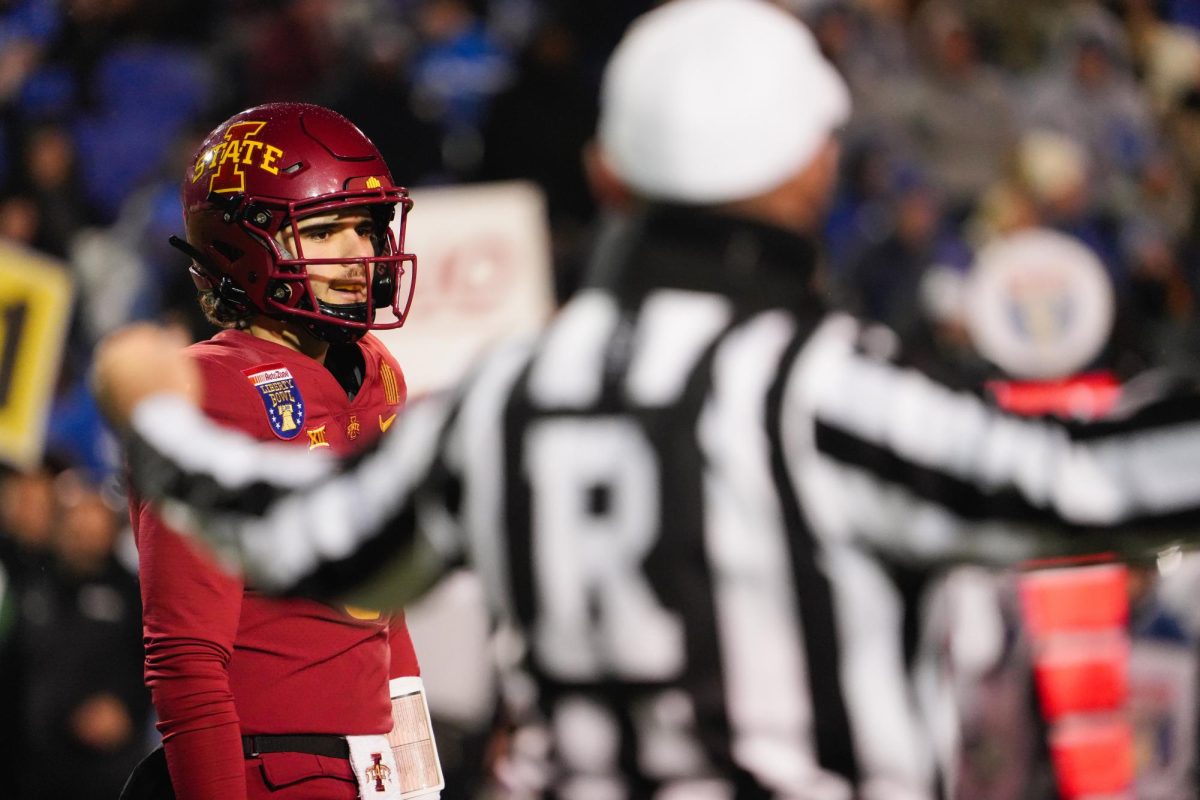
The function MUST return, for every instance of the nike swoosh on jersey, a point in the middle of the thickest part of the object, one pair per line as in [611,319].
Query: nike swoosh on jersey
[384,424]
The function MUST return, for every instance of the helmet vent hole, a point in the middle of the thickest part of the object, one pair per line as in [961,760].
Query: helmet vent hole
[293,169]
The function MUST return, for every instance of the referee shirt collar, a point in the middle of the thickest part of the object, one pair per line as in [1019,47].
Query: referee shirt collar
[702,250]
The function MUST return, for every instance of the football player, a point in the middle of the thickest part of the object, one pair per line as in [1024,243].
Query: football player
[289,210]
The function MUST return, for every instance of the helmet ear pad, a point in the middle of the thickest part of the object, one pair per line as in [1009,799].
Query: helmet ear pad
[233,305]
[232,302]
[384,285]
[385,280]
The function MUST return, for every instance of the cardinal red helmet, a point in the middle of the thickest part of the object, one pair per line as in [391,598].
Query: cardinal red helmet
[266,168]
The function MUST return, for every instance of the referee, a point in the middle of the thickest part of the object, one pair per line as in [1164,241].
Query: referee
[685,493]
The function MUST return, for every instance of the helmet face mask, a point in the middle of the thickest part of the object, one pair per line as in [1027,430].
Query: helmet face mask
[260,174]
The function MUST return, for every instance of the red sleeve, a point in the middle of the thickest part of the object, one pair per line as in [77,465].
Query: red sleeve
[404,657]
[190,621]
[191,612]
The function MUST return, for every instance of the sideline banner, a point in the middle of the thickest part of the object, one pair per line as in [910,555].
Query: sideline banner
[35,301]
[484,274]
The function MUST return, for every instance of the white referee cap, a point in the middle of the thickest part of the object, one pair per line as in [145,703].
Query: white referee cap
[710,101]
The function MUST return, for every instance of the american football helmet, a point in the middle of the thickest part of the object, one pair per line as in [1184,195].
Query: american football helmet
[268,167]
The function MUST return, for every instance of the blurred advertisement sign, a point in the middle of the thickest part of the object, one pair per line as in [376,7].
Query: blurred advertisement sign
[483,275]
[35,300]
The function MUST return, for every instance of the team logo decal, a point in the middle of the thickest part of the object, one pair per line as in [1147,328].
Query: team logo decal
[379,772]
[316,438]
[281,398]
[391,387]
[1039,304]
[227,160]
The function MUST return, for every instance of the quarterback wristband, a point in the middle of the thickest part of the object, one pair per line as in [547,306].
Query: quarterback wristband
[411,739]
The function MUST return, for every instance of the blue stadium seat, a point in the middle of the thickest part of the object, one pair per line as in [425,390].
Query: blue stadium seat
[146,94]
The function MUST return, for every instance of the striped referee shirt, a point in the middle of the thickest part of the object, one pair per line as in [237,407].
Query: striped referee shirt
[684,496]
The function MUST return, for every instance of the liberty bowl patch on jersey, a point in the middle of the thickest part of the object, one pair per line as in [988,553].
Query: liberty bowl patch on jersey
[281,398]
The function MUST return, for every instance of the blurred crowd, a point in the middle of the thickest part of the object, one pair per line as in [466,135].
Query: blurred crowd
[973,119]
[76,715]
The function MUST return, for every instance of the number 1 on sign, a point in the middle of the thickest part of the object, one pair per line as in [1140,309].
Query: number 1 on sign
[12,320]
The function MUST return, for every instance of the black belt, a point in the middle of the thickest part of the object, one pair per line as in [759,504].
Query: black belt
[331,746]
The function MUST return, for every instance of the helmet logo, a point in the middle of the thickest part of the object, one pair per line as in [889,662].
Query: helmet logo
[373,182]
[227,159]
[317,438]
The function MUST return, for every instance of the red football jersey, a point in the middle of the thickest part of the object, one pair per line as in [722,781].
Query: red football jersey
[222,661]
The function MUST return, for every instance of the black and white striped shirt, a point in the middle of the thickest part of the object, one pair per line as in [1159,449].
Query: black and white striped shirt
[683,496]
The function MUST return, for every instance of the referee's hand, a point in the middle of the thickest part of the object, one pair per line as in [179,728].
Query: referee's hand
[139,361]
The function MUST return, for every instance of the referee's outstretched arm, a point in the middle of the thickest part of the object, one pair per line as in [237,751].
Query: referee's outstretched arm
[908,466]
[927,472]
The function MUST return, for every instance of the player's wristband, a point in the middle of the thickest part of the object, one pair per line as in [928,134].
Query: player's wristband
[412,741]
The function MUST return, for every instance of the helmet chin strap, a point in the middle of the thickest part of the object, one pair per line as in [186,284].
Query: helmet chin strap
[331,332]
[383,291]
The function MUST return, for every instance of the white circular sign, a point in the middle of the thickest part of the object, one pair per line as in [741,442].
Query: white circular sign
[1039,304]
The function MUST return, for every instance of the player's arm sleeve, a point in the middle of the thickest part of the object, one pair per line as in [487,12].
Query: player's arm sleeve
[374,529]
[930,472]
[190,621]
[403,656]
